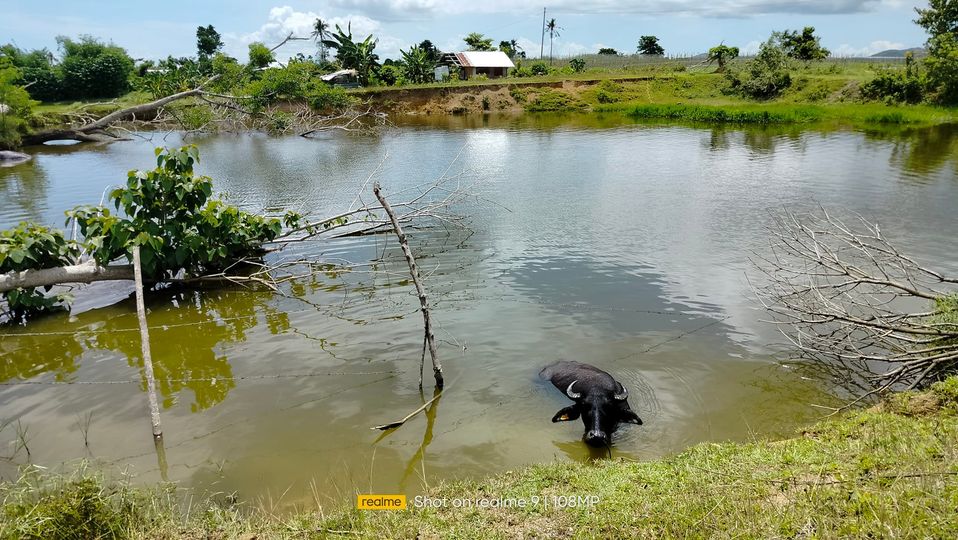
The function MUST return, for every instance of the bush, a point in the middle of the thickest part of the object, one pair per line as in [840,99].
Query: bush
[553,101]
[326,98]
[764,76]
[577,65]
[45,83]
[539,69]
[390,75]
[91,69]
[942,65]
[895,85]
[608,92]
[17,107]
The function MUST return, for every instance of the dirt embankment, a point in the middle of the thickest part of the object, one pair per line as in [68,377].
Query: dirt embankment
[492,97]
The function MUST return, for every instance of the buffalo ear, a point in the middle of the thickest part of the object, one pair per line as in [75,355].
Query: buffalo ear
[568,413]
[629,417]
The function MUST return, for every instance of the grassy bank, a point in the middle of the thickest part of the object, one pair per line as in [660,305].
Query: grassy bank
[888,471]
[788,113]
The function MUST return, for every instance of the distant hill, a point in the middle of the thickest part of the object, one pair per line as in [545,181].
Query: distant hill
[900,53]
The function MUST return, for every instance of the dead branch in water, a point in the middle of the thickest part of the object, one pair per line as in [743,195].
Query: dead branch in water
[420,291]
[398,423]
[842,293]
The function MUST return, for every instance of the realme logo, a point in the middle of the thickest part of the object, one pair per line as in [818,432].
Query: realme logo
[381,502]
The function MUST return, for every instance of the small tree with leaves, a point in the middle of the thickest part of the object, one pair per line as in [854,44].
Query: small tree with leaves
[260,56]
[722,54]
[940,20]
[804,45]
[609,51]
[417,67]
[649,46]
[208,41]
[478,42]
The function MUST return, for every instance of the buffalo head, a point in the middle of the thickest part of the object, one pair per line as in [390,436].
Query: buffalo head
[600,400]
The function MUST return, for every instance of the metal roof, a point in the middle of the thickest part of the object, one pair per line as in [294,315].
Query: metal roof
[335,74]
[484,59]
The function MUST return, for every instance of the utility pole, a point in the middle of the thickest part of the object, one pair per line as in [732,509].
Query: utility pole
[542,43]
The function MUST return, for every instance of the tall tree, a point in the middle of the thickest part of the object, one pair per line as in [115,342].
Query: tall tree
[434,53]
[940,20]
[649,46]
[512,49]
[208,41]
[802,46]
[478,42]
[553,30]
[320,31]
[941,17]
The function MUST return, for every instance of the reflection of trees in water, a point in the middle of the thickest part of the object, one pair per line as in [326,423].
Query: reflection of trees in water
[183,338]
[761,140]
[24,187]
[25,357]
[184,354]
[923,151]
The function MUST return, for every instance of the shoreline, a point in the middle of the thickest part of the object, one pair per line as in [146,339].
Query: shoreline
[889,469]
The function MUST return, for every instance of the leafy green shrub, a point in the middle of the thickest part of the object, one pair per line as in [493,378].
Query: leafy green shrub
[942,65]
[551,101]
[608,92]
[390,75]
[17,107]
[45,83]
[91,69]
[170,215]
[539,69]
[905,86]
[577,65]
[764,76]
[323,97]
[31,246]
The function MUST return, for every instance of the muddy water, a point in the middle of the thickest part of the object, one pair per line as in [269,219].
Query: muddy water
[617,244]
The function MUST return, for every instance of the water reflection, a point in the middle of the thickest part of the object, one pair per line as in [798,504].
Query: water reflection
[925,150]
[188,328]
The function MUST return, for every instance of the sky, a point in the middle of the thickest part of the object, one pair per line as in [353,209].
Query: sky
[153,30]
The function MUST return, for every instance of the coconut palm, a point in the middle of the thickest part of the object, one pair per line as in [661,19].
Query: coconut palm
[553,30]
[320,31]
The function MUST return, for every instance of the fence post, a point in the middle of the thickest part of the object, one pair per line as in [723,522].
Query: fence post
[145,344]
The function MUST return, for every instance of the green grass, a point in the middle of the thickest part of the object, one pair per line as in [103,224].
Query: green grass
[888,471]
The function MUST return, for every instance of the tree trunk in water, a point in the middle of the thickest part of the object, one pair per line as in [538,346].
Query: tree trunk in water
[79,273]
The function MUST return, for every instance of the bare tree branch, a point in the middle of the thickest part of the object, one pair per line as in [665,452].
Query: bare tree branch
[841,293]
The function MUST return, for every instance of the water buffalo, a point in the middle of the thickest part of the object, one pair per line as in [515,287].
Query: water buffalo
[601,401]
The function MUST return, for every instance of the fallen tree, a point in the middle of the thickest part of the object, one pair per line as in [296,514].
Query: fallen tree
[187,236]
[97,130]
[843,294]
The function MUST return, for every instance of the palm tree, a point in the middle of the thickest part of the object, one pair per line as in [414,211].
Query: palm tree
[553,30]
[319,34]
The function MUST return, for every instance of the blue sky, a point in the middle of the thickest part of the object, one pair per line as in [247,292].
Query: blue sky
[155,29]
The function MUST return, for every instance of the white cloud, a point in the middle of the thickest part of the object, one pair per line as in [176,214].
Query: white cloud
[406,9]
[751,48]
[284,20]
[874,47]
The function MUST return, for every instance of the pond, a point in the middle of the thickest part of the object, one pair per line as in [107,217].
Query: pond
[590,238]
